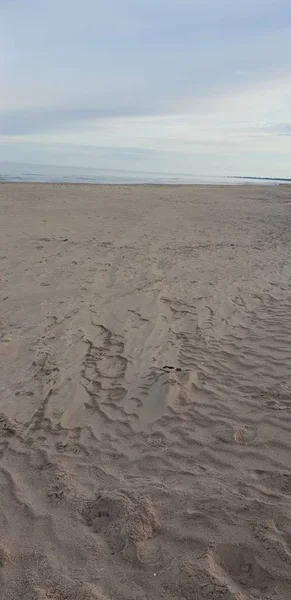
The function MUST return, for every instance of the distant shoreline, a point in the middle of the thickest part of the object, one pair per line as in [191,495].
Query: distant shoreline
[244,184]
[32,173]
[285,179]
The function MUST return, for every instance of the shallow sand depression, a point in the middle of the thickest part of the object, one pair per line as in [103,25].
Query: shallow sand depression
[145,407]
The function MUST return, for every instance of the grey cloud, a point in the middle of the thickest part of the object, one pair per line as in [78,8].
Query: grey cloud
[279,129]
[108,157]
[120,59]
[27,121]
[151,53]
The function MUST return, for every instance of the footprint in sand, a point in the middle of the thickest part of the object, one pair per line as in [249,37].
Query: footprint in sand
[8,428]
[241,565]
[122,518]
[186,578]
[243,434]
[150,552]
[275,480]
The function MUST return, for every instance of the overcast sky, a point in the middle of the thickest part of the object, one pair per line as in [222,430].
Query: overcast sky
[174,86]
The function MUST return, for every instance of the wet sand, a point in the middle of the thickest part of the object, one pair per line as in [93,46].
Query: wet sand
[145,392]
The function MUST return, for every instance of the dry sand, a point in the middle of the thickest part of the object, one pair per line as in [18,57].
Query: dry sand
[145,426]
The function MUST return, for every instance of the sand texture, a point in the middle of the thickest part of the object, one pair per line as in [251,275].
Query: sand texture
[145,411]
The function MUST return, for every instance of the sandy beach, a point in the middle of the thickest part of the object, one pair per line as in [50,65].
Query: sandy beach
[145,392]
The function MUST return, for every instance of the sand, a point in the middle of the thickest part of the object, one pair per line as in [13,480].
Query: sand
[145,411]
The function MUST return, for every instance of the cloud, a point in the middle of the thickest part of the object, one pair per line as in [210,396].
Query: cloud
[35,120]
[279,129]
[168,76]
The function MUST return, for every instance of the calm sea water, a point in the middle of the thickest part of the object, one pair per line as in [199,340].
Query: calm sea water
[56,174]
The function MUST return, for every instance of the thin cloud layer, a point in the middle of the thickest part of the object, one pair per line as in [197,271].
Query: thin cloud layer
[129,74]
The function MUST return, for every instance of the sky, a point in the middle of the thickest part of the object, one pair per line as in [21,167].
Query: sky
[197,87]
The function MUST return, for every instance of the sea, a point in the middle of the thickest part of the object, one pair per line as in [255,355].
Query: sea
[23,172]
